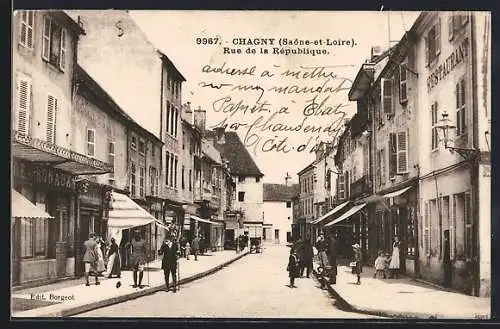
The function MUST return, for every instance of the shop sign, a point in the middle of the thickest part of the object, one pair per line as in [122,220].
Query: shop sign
[448,65]
[156,206]
[53,177]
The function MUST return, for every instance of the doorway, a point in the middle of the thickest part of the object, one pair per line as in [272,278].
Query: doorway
[447,268]
[277,236]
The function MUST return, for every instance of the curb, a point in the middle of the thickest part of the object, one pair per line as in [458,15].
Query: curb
[120,299]
[344,305]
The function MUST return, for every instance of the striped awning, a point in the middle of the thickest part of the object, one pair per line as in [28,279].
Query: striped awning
[23,208]
[347,214]
[198,219]
[330,213]
[125,213]
[33,149]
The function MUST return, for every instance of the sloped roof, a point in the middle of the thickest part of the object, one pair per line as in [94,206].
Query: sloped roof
[233,150]
[280,192]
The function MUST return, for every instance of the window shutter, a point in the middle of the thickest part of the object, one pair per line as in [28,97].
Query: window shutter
[438,36]
[427,237]
[51,119]
[62,55]
[387,95]
[46,38]
[451,26]
[403,90]
[426,50]
[347,187]
[24,28]
[24,90]
[393,157]
[27,24]
[464,19]
[402,155]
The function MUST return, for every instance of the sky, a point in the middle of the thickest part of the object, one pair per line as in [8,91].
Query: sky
[280,104]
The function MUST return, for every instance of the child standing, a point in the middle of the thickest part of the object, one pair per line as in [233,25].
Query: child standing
[358,269]
[380,265]
[293,267]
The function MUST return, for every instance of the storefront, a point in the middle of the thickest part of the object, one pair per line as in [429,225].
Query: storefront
[126,217]
[24,213]
[46,247]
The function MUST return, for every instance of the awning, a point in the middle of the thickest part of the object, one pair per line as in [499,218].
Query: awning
[331,212]
[125,213]
[347,214]
[204,220]
[396,193]
[23,208]
[34,149]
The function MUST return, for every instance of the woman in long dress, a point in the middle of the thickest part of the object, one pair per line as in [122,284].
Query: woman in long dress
[114,264]
[100,258]
[395,264]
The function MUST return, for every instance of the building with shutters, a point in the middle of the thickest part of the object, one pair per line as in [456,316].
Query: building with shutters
[278,212]
[324,180]
[307,185]
[353,163]
[454,68]
[144,83]
[246,215]
[46,164]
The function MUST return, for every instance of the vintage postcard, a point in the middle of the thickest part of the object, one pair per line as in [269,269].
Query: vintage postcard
[251,164]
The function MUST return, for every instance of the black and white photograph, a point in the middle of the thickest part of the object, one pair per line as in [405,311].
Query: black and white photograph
[251,164]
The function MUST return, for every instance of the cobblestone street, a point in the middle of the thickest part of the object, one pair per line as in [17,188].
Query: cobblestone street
[255,286]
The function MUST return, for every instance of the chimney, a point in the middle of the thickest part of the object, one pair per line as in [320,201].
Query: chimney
[220,137]
[287,179]
[200,117]
[187,113]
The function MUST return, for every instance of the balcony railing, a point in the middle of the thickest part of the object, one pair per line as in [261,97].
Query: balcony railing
[27,147]
[360,187]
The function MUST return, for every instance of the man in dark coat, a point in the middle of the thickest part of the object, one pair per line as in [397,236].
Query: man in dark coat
[308,255]
[332,257]
[170,253]
[299,250]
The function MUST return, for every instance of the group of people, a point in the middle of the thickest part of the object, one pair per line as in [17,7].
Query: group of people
[94,260]
[388,265]
[170,251]
[302,253]
[195,248]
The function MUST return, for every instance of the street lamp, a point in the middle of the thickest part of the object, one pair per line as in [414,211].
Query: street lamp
[445,127]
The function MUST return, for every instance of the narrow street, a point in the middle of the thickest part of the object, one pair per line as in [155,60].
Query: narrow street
[255,286]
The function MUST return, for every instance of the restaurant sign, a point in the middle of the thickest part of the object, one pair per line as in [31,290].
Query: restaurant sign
[448,65]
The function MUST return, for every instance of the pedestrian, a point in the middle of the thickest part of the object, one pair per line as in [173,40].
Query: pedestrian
[358,267]
[114,263]
[188,250]
[183,242]
[299,249]
[170,254]
[100,257]
[90,259]
[138,257]
[308,255]
[332,253]
[380,265]
[394,265]
[293,267]
[195,246]
[321,246]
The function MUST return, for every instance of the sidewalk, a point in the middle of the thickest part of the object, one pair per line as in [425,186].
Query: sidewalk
[405,298]
[66,299]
